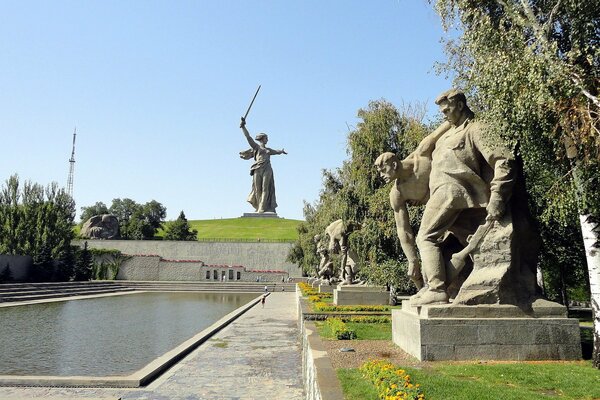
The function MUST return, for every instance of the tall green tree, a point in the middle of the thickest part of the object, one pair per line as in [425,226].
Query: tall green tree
[180,229]
[532,67]
[356,192]
[35,221]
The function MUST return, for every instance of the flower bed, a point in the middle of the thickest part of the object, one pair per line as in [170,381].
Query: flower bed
[324,307]
[392,383]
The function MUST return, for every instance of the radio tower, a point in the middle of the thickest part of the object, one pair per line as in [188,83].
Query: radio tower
[71,167]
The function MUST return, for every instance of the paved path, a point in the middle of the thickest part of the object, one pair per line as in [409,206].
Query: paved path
[256,357]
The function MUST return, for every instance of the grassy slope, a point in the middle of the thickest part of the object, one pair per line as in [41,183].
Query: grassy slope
[246,228]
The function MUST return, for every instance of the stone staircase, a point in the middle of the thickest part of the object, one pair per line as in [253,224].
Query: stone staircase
[11,292]
[18,292]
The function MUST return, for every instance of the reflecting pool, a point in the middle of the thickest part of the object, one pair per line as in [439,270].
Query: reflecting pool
[103,336]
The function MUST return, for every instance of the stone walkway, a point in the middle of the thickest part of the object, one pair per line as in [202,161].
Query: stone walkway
[256,357]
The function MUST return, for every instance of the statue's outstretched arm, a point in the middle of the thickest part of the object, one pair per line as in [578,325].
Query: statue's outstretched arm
[251,141]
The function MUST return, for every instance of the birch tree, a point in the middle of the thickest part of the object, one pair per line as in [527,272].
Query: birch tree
[532,68]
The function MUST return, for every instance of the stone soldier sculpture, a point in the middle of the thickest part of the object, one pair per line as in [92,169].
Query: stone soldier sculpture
[262,195]
[339,232]
[471,206]
[325,270]
[411,185]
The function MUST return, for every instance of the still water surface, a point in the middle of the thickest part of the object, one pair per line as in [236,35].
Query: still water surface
[105,336]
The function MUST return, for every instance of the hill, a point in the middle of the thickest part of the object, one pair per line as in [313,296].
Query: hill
[245,228]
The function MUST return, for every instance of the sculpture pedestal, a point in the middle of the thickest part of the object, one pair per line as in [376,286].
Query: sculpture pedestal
[486,332]
[260,215]
[365,295]
[325,288]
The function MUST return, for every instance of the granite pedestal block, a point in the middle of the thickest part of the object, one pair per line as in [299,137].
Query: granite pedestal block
[486,332]
[260,215]
[366,295]
[325,288]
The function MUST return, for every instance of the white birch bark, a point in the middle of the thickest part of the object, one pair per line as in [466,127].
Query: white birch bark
[590,232]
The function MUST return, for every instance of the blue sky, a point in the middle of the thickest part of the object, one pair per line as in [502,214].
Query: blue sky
[156,90]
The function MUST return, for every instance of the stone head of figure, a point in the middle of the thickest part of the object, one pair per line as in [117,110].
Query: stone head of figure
[262,138]
[387,165]
[453,104]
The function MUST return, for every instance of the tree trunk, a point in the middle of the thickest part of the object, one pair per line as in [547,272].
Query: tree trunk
[590,230]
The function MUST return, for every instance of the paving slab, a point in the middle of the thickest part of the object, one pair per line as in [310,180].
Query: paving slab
[258,356]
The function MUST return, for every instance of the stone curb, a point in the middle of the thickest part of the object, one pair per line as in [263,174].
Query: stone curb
[320,379]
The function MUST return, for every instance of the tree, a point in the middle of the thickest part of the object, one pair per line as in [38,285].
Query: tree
[97,209]
[84,264]
[356,192]
[35,221]
[533,68]
[180,229]
[138,221]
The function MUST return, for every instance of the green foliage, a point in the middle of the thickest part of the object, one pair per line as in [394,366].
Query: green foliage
[84,264]
[136,221]
[36,221]
[97,209]
[336,328]
[180,229]
[355,192]
[532,70]
[324,307]
[106,263]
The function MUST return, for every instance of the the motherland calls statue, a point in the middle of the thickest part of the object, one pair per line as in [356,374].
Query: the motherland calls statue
[338,233]
[262,196]
[475,209]
[105,226]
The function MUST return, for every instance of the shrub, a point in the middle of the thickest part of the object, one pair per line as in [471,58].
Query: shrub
[392,383]
[339,329]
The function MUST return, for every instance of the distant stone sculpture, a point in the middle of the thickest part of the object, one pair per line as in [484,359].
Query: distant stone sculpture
[105,226]
[338,233]
[325,270]
[262,195]
[474,211]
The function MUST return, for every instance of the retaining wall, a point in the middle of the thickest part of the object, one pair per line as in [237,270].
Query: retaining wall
[252,255]
[155,268]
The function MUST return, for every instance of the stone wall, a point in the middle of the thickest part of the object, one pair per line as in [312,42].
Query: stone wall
[155,268]
[252,255]
[319,376]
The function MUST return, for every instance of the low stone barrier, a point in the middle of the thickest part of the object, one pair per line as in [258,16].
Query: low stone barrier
[320,380]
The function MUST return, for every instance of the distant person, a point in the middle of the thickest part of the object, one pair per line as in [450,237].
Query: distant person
[262,300]
[266,288]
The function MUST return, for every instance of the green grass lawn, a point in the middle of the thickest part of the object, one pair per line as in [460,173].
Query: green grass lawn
[507,381]
[241,228]
[363,331]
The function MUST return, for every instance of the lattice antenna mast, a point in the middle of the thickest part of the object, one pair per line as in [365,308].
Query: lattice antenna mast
[71,166]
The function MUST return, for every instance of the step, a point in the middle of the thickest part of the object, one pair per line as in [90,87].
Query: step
[41,296]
